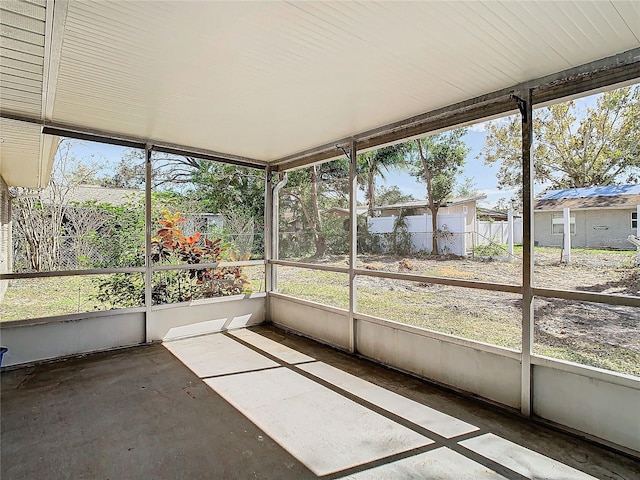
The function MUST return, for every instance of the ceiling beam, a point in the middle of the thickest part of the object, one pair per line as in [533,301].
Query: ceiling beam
[134,142]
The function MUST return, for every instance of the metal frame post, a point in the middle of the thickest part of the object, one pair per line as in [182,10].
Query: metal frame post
[510,232]
[148,274]
[268,240]
[566,239]
[526,108]
[353,244]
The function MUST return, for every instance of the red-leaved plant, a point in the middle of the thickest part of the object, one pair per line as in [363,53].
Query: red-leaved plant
[170,245]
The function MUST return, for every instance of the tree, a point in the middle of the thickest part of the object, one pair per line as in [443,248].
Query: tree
[391,195]
[375,163]
[572,148]
[40,218]
[467,188]
[194,185]
[165,170]
[312,190]
[440,158]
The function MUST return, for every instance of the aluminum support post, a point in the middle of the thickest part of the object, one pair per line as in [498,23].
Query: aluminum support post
[148,275]
[526,109]
[353,245]
[268,240]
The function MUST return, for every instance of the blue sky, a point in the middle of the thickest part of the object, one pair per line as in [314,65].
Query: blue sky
[483,176]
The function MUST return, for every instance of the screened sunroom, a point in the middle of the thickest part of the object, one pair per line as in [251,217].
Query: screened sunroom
[296,239]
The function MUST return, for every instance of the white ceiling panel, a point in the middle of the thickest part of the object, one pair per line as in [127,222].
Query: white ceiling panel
[267,79]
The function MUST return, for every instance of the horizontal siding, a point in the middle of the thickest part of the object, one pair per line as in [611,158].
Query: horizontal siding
[22,29]
[26,9]
[22,22]
[24,145]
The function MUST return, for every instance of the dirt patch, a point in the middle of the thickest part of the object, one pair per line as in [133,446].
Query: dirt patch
[580,327]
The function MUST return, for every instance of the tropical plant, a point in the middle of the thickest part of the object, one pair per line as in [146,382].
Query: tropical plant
[374,164]
[170,245]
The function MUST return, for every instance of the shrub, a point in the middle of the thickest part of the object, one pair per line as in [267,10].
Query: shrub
[170,246]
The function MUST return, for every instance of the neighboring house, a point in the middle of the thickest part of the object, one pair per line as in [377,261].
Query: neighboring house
[456,223]
[600,217]
[455,206]
[489,215]
[344,212]
[93,193]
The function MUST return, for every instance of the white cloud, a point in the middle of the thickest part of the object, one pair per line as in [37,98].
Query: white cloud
[478,127]
[496,191]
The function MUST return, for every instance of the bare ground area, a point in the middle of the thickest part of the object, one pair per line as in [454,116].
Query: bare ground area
[606,336]
[599,272]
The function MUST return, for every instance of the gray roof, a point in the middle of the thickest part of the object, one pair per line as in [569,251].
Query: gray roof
[589,192]
[612,196]
[94,193]
[425,203]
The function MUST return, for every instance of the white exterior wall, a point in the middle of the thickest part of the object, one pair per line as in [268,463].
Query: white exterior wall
[607,407]
[595,402]
[32,342]
[463,365]
[602,228]
[618,224]
[327,324]
[169,322]
[483,370]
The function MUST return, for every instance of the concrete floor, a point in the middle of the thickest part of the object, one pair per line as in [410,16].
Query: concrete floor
[261,403]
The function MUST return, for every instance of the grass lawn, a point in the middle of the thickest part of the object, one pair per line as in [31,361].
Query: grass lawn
[485,316]
[45,297]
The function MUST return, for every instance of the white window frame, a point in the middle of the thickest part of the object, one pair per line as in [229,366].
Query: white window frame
[634,220]
[557,221]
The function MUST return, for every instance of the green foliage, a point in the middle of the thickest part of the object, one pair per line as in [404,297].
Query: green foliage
[335,231]
[391,195]
[304,202]
[397,242]
[572,148]
[491,250]
[120,290]
[438,161]
[400,238]
[119,239]
[467,188]
[374,164]
[171,246]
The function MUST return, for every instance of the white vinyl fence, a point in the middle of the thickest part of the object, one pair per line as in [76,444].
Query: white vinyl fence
[453,238]
[498,232]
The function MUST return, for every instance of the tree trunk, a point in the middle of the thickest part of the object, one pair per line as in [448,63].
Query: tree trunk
[434,229]
[433,206]
[371,186]
[320,244]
